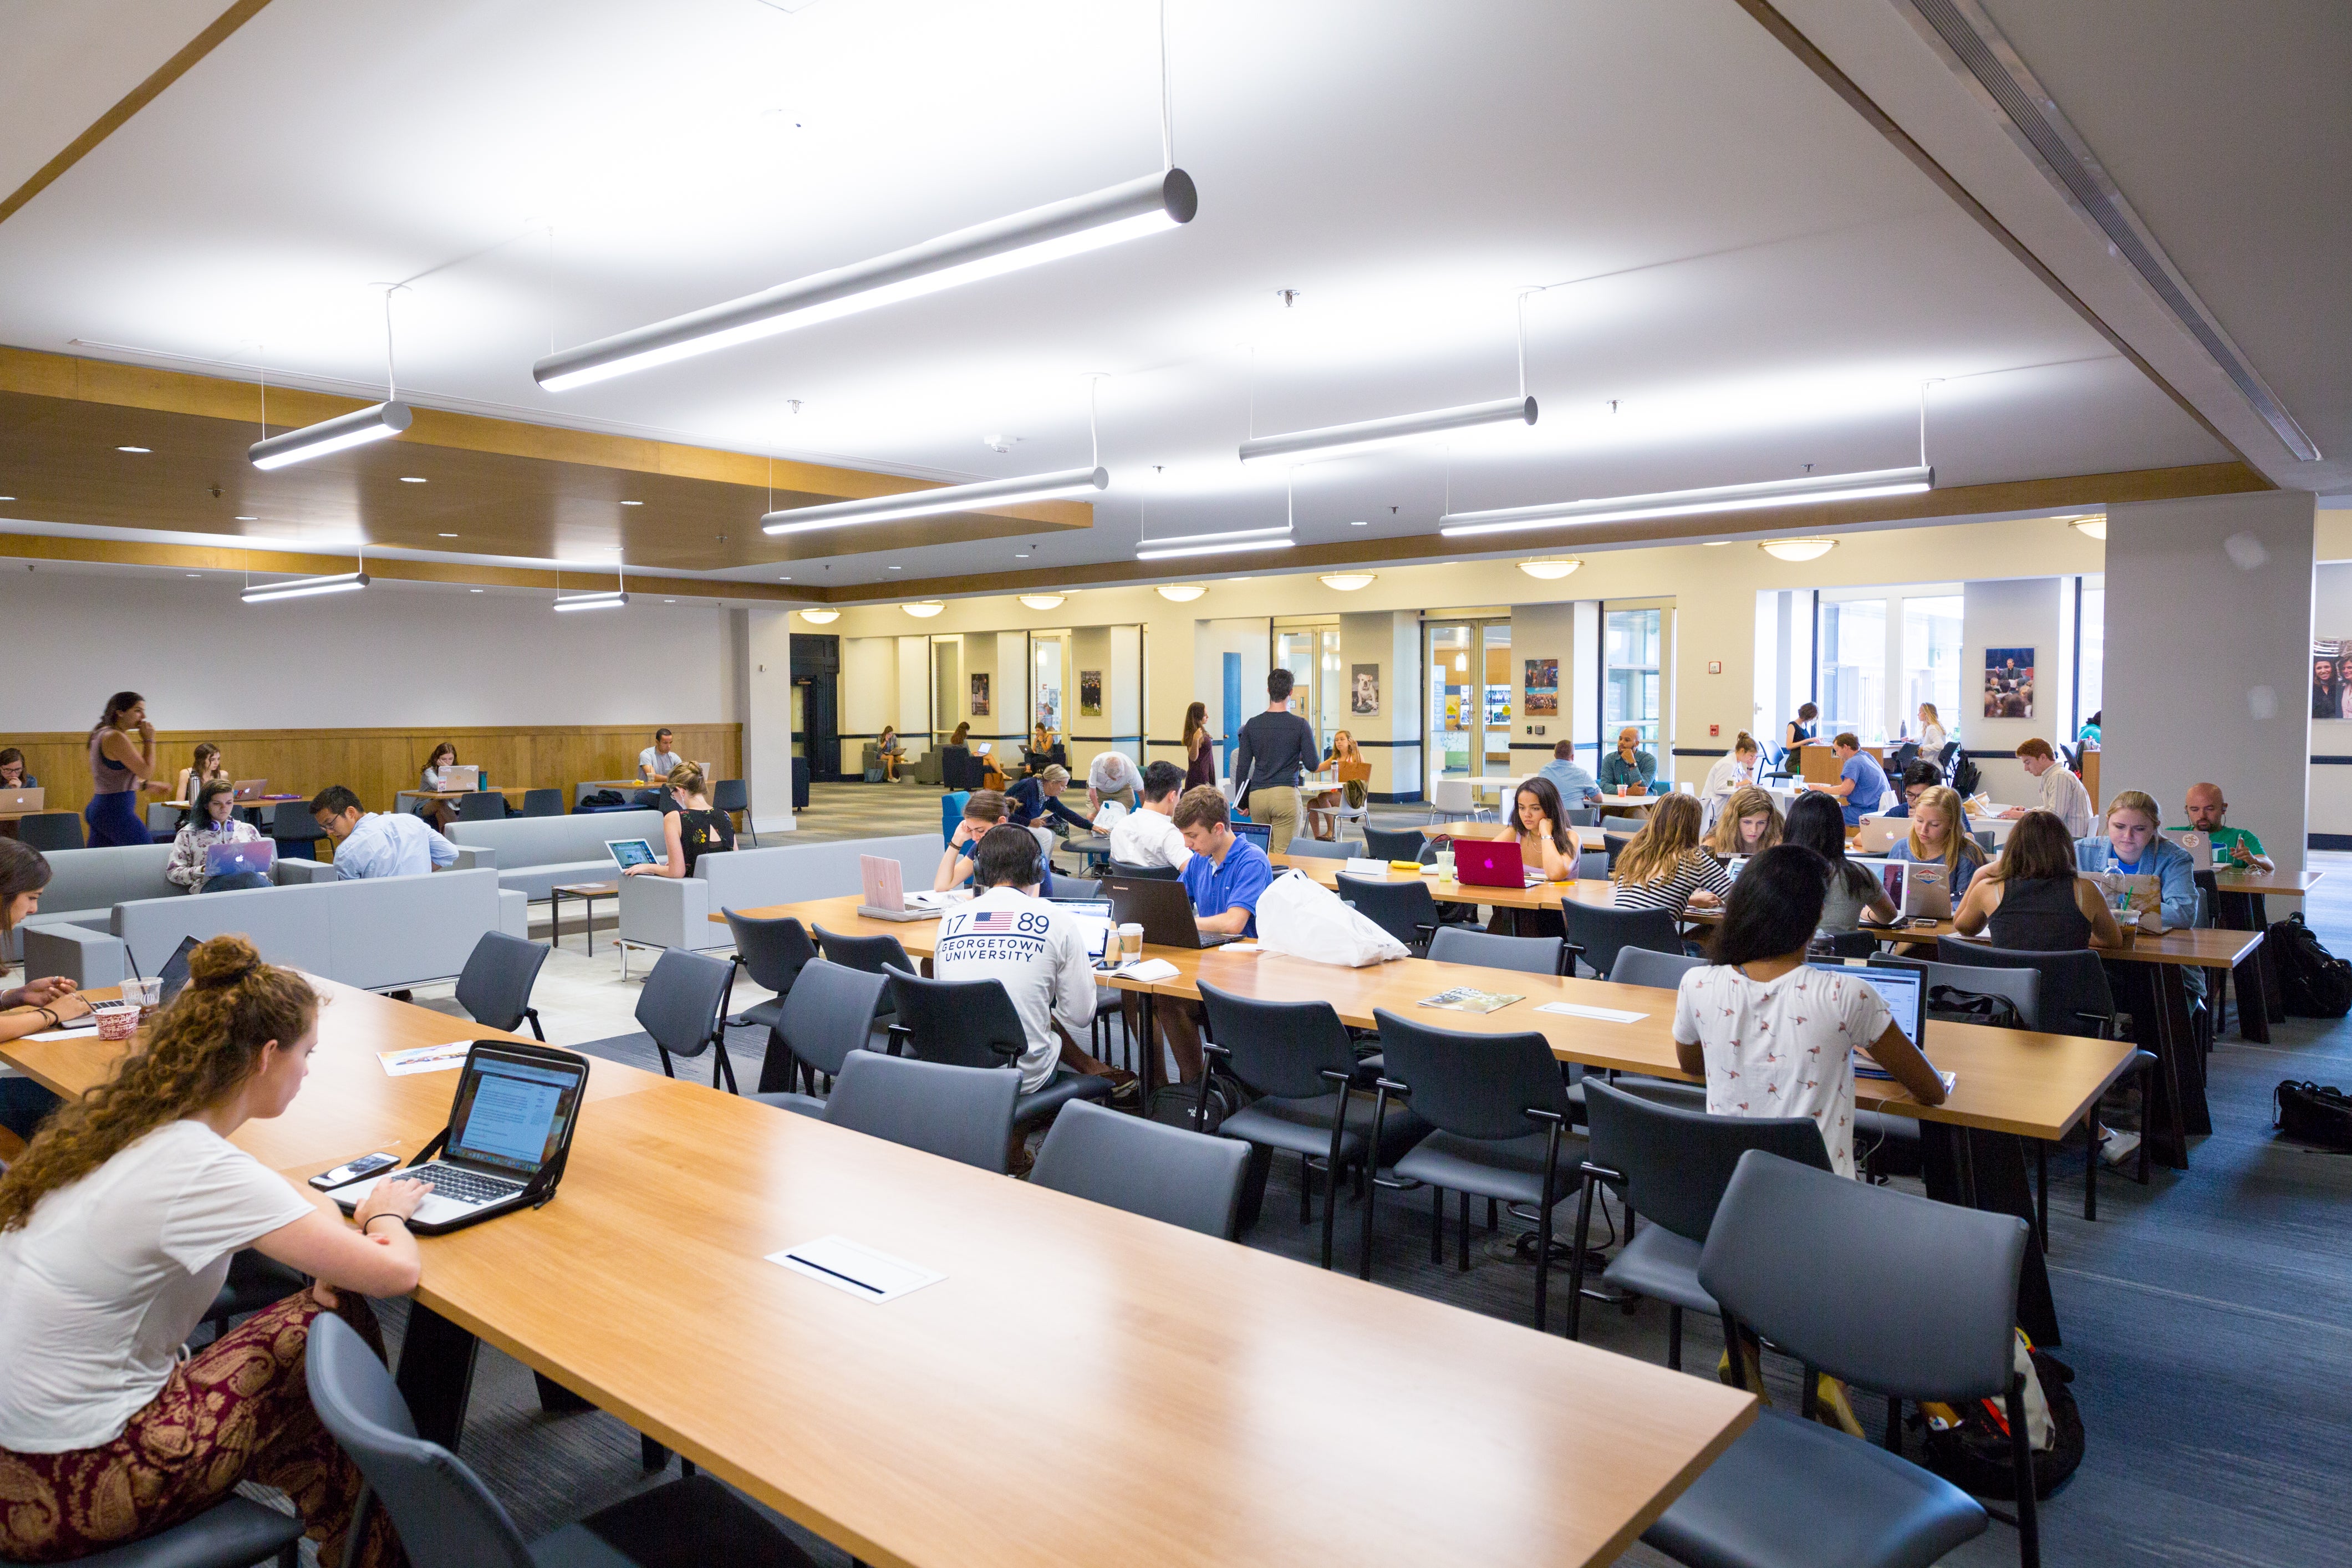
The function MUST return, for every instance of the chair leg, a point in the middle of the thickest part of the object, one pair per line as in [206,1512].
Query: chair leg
[1576,1263]
[1674,1339]
[1307,1192]
[1331,1177]
[720,1065]
[1463,1240]
[533,1015]
[1494,1218]
[667,1071]
[1437,1224]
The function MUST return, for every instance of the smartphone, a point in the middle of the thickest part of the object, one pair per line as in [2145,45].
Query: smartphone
[357,1170]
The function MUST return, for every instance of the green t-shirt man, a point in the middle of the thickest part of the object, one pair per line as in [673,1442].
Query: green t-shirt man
[2227,842]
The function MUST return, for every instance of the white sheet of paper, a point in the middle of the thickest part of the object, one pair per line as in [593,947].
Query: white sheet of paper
[857,1270]
[1240,947]
[1147,968]
[82,1026]
[1604,1015]
[425,1058]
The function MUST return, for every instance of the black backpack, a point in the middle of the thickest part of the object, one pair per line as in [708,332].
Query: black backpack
[1974,1453]
[2312,1114]
[1965,777]
[2314,982]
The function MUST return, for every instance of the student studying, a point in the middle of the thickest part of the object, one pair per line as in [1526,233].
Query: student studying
[377,843]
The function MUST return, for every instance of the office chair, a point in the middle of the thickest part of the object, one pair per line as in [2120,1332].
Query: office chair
[495,986]
[1160,1173]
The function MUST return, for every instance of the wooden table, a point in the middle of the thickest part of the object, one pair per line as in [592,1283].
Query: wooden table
[1152,1368]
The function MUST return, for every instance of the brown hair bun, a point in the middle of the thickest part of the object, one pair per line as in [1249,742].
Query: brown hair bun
[223,961]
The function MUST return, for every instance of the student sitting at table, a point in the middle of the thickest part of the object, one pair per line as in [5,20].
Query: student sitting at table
[2063,795]
[1149,836]
[1728,775]
[691,827]
[1322,819]
[1539,826]
[1224,879]
[654,762]
[374,843]
[1916,778]
[1038,956]
[890,752]
[1773,1035]
[1663,867]
[13,773]
[2132,846]
[1815,822]
[116,1231]
[1931,732]
[2232,846]
[1568,776]
[36,1007]
[1939,836]
[1750,823]
[2033,899]
[215,821]
[1038,799]
[1628,770]
[206,764]
[1860,787]
[982,809]
[439,773]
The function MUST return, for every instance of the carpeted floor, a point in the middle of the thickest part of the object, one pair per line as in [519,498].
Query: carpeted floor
[2199,1313]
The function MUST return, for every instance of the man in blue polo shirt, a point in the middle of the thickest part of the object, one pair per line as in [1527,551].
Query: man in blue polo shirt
[1861,785]
[1224,879]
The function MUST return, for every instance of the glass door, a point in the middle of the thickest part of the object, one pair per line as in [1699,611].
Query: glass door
[1453,702]
[1494,709]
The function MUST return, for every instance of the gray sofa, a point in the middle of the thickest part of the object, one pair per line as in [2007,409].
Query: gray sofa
[86,884]
[534,852]
[385,933]
[659,912]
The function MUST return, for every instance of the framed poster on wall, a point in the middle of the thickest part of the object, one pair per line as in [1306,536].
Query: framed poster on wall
[980,697]
[2331,678]
[1543,688]
[2009,683]
[1364,689]
[1090,693]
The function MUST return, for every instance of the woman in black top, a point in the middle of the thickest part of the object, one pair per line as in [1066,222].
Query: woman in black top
[2033,900]
[1799,731]
[691,828]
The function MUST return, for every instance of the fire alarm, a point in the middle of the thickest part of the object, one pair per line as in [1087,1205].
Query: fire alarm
[1715,666]
[1713,731]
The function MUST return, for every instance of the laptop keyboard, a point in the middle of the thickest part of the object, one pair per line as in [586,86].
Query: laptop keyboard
[465,1186]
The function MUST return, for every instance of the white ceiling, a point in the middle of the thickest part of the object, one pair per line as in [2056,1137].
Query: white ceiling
[1749,270]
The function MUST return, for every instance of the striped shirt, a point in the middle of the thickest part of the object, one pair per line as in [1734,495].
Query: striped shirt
[1698,869]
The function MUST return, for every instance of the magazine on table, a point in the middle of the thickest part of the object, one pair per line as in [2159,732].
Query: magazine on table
[1466,999]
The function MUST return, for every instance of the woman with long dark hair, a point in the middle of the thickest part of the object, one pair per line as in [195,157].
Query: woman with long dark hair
[32,1008]
[1200,750]
[1818,822]
[121,764]
[1539,827]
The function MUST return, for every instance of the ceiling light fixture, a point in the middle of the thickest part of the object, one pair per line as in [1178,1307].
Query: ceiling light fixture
[820,617]
[241,517]
[1216,544]
[1345,440]
[2092,527]
[932,502]
[413,480]
[1797,549]
[142,450]
[1048,233]
[1180,592]
[1684,503]
[473,590]
[1043,601]
[448,536]
[1550,568]
[611,598]
[633,503]
[379,423]
[1347,582]
[923,612]
[1360,522]
[303,588]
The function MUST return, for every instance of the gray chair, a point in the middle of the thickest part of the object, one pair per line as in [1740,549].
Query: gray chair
[163,817]
[1671,1166]
[730,795]
[1593,866]
[1596,933]
[1499,1108]
[1487,950]
[47,830]
[235,1533]
[1645,966]
[823,1020]
[1160,873]
[293,830]
[495,986]
[542,803]
[482,806]
[681,1007]
[773,953]
[1297,1058]
[1323,849]
[1160,1173]
[1410,844]
[1913,1298]
[447,1519]
[963,1114]
[1404,910]
[1613,844]
[874,954]
[973,1023]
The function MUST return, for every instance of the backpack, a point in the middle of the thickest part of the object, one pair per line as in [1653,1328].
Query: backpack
[2315,983]
[1954,1005]
[603,797]
[1180,1104]
[1969,1446]
[2312,1114]
[1965,777]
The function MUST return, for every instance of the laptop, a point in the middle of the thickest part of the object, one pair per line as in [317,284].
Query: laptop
[884,883]
[174,972]
[1920,890]
[468,777]
[1098,925]
[1491,863]
[249,790]
[1904,989]
[1879,833]
[233,859]
[1163,908]
[984,748]
[628,852]
[2198,845]
[509,1132]
[14,800]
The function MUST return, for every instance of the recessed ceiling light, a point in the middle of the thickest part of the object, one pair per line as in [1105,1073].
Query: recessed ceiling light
[897,568]
[131,448]
[448,536]
[669,601]
[7,498]
[473,590]
[1021,555]
[641,503]
[1359,522]
[1713,543]
[241,517]
[410,479]
[196,574]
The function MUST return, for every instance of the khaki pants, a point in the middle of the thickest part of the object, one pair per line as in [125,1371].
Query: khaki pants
[1277,807]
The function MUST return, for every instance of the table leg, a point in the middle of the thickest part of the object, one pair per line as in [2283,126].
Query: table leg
[591,904]
[1147,1066]
[436,1375]
[557,1400]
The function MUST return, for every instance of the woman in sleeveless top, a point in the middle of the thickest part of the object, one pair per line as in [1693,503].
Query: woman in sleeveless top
[2031,901]
[121,762]
[1200,751]
[691,827]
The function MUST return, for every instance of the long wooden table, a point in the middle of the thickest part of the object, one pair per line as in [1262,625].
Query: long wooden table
[1072,1391]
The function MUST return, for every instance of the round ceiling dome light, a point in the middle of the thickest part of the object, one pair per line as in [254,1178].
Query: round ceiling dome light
[1550,568]
[1797,549]
[820,617]
[923,612]
[1043,601]
[2092,527]
[1347,582]
[1180,592]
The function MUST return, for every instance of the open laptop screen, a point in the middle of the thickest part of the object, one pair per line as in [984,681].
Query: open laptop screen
[513,1112]
[1905,992]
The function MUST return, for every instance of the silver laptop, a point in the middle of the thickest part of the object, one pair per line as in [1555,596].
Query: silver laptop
[1879,833]
[468,777]
[2198,845]
[628,852]
[24,800]
[510,1126]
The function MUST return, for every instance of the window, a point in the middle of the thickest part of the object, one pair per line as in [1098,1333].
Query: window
[1854,668]
[1931,661]
[2091,640]
[1629,661]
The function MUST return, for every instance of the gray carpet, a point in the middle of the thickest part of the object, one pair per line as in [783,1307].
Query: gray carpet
[2199,1314]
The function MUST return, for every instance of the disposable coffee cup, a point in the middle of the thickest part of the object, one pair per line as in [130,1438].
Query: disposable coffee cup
[1130,940]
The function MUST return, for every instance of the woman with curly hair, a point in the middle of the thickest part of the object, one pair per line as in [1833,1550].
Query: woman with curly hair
[116,1230]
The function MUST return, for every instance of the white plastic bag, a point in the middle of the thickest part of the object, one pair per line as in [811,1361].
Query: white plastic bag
[1299,916]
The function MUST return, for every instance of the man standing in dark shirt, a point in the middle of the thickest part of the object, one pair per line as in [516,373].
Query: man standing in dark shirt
[1278,750]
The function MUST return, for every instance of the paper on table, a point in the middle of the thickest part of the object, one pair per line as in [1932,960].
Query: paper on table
[1238,947]
[425,1058]
[1604,1015]
[1147,968]
[858,1270]
[81,1026]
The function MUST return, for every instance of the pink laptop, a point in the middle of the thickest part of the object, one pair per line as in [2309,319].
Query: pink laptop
[1489,863]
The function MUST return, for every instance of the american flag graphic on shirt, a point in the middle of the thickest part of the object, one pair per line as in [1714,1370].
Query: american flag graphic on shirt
[991,921]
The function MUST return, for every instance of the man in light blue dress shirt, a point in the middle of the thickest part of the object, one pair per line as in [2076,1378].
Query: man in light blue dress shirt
[1568,776]
[377,843]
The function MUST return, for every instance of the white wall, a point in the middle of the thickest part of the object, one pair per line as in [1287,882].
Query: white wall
[2020,612]
[765,680]
[869,692]
[392,656]
[2208,657]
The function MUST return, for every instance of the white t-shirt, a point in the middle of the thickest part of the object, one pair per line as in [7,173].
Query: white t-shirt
[111,1275]
[658,762]
[1782,1047]
[1148,837]
[1036,952]
[2064,794]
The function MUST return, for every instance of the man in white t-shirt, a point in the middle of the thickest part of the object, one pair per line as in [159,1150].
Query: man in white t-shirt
[1008,935]
[654,762]
[1150,837]
[1112,775]
[2063,795]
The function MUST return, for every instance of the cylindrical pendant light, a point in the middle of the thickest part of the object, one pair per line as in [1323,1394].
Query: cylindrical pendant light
[1339,440]
[932,502]
[1683,503]
[379,423]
